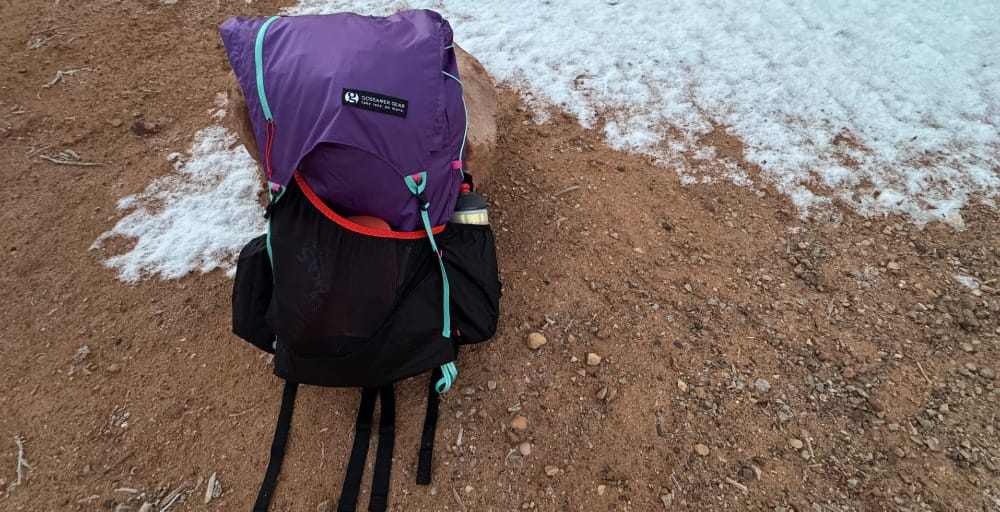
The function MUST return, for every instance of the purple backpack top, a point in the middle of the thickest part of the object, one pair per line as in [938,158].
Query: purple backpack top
[356,105]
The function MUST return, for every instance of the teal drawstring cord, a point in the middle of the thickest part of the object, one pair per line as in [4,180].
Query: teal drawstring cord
[417,185]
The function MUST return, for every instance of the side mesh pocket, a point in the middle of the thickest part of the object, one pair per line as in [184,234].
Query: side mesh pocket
[252,291]
[470,259]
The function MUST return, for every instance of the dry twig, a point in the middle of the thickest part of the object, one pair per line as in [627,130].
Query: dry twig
[566,190]
[22,463]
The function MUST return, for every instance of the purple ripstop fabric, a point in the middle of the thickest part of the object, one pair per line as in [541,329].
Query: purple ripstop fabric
[358,103]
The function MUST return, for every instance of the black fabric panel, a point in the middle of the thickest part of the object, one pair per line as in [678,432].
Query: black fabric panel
[356,465]
[470,259]
[252,290]
[278,445]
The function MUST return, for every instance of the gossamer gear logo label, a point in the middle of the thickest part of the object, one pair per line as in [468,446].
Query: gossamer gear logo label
[375,102]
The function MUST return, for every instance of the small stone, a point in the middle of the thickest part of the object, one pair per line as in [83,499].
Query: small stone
[795,443]
[524,448]
[116,123]
[701,449]
[848,373]
[519,423]
[682,386]
[143,128]
[688,288]
[324,506]
[491,385]
[601,489]
[893,266]
[551,470]
[944,408]
[805,454]
[852,483]
[602,393]
[894,426]
[668,500]
[593,359]
[571,339]
[468,391]
[469,489]
[121,507]
[876,404]
[513,438]
[146,507]
[986,373]
[700,393]
[968,347]
[113,369]
[762,386]
[536,340]
[932,444]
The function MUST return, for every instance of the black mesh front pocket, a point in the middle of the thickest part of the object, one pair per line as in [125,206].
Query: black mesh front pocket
[252,290]
[352,306]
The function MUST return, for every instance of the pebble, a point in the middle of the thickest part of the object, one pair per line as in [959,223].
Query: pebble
[899,452]
[116,122]
[876,404]
[114,369]
[491,385]
[469,489]
[795,443]
[852,482]
[524,448]
[593,359]
[324,506]
[602,393]
[688,288]
[468,390]
[551,470]
[519,423]
[804,454]
[986,373]
[146,507]
[849,373]
[601,489]
[571,339]
[894,266]
[932,444]
[536,340]
[762,386]
[968,347]
[682,386]
[701,449]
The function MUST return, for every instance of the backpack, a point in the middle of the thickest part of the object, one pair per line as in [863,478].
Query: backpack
[338,302]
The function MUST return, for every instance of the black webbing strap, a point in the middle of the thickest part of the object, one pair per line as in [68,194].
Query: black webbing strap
[383,456]
[278,445]
[426,454]
[356,466]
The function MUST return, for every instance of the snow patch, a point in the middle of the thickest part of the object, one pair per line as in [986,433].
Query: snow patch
[967,281]
[196,219]
[890,107]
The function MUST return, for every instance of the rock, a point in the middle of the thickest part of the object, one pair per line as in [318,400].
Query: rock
[513,438]
[893,266]
[552,470]
[601,489]
[519,423]
[795,443]
[146,507]
[701,449]
[932,444]
[682,386]
[324,506]
[113,369]
[116,123]
[876,404]
[593,359]
[524,448]
[571,339]
[986,373]
[536,340]
[668,500]
[121,507]
[967,347]
[491,385]
[762,386]
[688,288]
[852,483]
[143,128]
[848,373]
[805,455]
[468,391]
[602,393]
[483,105]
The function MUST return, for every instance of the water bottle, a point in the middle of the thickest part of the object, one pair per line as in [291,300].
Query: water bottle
[470,208]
